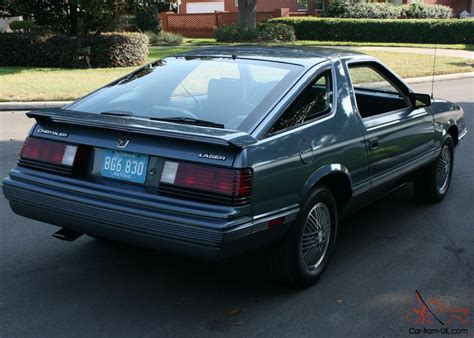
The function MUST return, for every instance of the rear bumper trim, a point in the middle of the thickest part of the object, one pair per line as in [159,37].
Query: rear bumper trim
[100,215]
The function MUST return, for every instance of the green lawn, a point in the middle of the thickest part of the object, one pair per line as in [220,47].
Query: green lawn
[206,42]
[43,84]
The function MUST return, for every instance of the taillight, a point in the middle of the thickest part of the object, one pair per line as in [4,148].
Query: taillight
[229,186]
[53,152]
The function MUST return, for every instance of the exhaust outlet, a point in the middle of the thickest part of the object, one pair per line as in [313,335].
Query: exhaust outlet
[67,235]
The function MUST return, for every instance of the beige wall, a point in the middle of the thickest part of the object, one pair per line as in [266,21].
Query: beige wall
[5,22]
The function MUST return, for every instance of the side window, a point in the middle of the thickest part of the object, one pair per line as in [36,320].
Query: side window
[375,94]
[315,101]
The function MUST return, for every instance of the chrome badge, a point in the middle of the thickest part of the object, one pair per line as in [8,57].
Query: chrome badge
[213,157]
[123,142]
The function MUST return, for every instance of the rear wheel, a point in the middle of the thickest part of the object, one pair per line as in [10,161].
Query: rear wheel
[433,182]
[302,256]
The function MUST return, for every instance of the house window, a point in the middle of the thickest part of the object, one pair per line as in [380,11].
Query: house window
[236,3]
[318,5]
[302,5]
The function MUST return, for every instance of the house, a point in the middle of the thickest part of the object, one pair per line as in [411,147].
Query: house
[304,7]
[6,19]
[301,7]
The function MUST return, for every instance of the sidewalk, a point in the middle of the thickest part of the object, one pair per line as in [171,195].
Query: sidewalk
[19,106]
[32,105]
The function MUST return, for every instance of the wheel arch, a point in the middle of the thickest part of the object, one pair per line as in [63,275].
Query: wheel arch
[453,131]
[336,177]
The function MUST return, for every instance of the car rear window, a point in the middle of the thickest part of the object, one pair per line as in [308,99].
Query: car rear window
[226,91]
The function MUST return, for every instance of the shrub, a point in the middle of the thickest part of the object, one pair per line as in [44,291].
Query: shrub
[117,49]
[164,38]
[106,50]
[337,9]
[265,32]
[372,30]
[25,25]
[424,11]
[373,10]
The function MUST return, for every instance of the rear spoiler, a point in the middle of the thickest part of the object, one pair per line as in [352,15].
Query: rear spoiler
[145,126]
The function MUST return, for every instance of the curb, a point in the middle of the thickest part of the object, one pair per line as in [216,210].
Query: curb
[11,106]
[446,77]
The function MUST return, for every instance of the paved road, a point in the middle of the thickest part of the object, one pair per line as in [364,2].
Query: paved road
[387,251]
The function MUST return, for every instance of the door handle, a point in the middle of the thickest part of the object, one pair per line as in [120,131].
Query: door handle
[373,143]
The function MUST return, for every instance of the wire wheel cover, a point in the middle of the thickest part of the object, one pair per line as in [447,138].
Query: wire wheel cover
[443,169]
[315,238]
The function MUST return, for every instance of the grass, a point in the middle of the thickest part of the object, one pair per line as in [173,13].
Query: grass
[309,43]
[48,84]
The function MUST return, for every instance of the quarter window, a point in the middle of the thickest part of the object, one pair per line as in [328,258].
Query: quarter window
[375,93]
[315,101]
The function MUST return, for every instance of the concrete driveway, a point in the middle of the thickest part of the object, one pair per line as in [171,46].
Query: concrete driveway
[386,252]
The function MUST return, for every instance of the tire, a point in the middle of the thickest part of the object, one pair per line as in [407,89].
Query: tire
[433,182]
[290,261]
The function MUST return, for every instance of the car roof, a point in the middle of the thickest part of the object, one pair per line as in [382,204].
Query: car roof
[301,55]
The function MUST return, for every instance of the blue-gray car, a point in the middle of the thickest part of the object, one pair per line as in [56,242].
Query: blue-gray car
[219,151]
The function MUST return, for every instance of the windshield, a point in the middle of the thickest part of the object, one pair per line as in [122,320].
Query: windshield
[228,92]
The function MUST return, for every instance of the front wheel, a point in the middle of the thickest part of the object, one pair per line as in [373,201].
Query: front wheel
[433,182]
[301,258]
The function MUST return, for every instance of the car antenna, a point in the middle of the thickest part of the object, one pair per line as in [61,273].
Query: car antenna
[433,74]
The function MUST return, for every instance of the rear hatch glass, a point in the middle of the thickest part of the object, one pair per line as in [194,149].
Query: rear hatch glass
[232,93]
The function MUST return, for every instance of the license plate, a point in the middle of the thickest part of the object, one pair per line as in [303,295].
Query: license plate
[124,166]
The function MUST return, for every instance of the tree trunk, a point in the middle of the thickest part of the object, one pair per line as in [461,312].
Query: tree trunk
[247,14]
[73,19]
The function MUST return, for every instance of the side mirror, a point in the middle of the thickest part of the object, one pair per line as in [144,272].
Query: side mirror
[420,100]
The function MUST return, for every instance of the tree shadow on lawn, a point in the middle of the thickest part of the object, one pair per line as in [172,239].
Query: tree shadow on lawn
[462,64]
[17,70]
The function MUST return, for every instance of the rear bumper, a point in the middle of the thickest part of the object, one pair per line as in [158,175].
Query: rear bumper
[129,216]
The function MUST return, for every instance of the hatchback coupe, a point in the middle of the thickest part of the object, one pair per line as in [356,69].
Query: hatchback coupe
[219,151]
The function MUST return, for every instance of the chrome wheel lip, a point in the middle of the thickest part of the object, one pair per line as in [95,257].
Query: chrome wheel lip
[443,169]
[315,237]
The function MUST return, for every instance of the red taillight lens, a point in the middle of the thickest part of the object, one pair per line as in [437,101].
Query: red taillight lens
[230,182]
[53,152]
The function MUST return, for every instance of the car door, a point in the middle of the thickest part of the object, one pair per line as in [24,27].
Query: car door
[399,136]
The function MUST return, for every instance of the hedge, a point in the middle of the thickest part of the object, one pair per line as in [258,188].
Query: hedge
[54,50]
[382,30]
[264,32]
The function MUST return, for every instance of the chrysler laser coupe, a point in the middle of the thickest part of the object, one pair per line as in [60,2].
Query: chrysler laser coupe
[218,151]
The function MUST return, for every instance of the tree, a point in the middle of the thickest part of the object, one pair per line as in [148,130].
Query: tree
[247,15]
[79,16]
